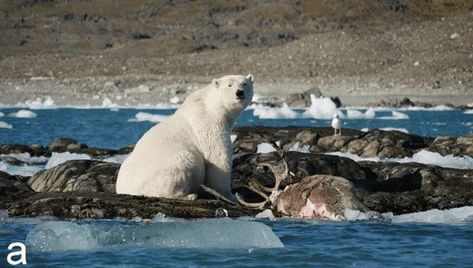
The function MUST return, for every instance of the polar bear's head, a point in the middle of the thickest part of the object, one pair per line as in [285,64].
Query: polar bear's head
[234,92]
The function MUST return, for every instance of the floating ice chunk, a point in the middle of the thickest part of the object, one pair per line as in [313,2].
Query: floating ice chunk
[23,114]
[302,148]
[448,161]
[356,215]
[154,118]
[176,100]
[107,103]
[321,108]
[423,157]
[48,103]
[395,116]
[59,158]
[2,114]
[438,108]
[264,148]
[356,114]
[116,158]
[265,214]
[469,111]
[435,216]
[27,158]
[23,170]
[209,233]
[265,112]
[5,125]
[404,130]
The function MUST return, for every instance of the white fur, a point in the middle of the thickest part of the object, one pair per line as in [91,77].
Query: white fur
[190,148]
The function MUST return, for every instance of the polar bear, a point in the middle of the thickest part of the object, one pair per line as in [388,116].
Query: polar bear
[192,147]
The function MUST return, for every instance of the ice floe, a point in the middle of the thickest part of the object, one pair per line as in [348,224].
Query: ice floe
[395,116]
[154,118]
[23,114]
[116,158]
[400,129]
[208,233]
[434,216]
[21,170]
[266,112]
[59,158]
[321,108]
[5,125]
[423,157]
[357,114]
[469,111]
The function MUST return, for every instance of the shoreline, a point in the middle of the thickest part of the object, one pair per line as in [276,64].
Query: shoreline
[150,91]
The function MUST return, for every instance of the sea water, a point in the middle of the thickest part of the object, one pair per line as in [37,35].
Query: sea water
[433,238]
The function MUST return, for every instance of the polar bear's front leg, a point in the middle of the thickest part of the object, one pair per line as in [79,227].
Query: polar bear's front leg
[218,177]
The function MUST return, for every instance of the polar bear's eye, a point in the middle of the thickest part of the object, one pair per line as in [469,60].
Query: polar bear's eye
[244,84]
[229,85]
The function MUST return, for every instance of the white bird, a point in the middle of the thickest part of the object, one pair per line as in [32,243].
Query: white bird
[337,125]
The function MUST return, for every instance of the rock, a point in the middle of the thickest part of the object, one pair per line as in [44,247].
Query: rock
[65,144]
[386,144]
[33,150]
[101,205]
[307,137]
[77,175]
[333,143]
[12,185]
[303,99]
[319,196]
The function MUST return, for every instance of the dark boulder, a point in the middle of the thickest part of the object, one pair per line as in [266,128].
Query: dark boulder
[77,175]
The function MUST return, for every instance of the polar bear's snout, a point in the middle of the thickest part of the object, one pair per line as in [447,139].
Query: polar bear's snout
[240,94]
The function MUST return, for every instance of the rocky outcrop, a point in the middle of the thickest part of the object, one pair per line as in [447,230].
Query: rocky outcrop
[79,175]
[314,185]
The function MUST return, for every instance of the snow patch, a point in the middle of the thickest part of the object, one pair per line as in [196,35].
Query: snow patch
[264,148]
[422,157]
[154,118]
[302,148]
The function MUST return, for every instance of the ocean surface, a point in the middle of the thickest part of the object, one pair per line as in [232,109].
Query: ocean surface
[430,239]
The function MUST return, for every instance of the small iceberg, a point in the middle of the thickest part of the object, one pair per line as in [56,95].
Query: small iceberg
[205,233]
[23,114]
[321,108]
[357,114]
[153,118]
[5,125]
[265,112]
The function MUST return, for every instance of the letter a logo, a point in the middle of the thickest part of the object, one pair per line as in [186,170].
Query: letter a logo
[21,253]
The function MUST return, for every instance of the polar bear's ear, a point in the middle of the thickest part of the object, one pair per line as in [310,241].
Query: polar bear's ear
[215,82]
[250,77]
